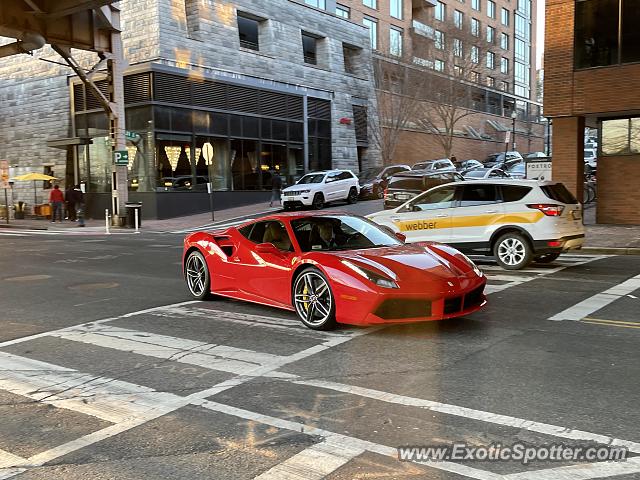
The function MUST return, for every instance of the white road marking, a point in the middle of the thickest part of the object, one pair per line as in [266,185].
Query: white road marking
[344,441]
[8,459]
[313,463]
[506,420]
[584,471]
[598,301]
[214,357]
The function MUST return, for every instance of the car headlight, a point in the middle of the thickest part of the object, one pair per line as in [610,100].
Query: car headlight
[472,264]
[370,275]
[304,191]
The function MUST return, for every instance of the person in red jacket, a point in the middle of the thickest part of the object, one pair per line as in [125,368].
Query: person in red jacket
[56,199]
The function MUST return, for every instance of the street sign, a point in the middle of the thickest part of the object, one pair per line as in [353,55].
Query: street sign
[4,174]
[207,153]
[507,137]
[121,157]
[538,170]
[131,136]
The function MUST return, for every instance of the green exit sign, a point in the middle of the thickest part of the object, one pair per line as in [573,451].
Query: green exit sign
[121,157]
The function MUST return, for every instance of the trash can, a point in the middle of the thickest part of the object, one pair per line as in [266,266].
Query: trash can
[131,213]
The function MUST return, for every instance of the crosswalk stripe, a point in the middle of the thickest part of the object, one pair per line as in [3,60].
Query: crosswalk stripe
[214,357]
[8,459]
[106,398]
[313,463]
[581,471]
[598,301]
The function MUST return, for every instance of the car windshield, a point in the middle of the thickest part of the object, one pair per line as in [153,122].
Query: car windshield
[369,174]
[311,178]
[517,168]
[476,173]
[341,232]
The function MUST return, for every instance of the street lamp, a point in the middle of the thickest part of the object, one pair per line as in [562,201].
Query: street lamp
[514,115]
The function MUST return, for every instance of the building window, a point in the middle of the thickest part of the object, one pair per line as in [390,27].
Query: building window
[475,4]
[504,65]
[317,3]
[491,60]
[475,27]
[438,38]
[370,3]
[504,86]
[373,31]
[458,18]
[438,65]
[602,36]
[458,70]
[621,137]
[309,48]
[491,34]
[395,9]
[522,51]
[248,30]
[491,82]
[504,41]
[395,42]
[457,47]
[504,17]
[491,9]
[475,77]
[342,11]
[351,59]
[475,54]
[439,12]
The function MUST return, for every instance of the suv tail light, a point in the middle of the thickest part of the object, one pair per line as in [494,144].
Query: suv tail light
[549,209]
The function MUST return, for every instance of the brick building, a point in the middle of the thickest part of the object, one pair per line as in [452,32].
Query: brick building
[592,78]
[503,78]
[264,82]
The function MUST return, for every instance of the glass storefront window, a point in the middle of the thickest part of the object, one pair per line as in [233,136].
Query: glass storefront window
[173,162]
[142,171]
[621,137]
[217,170]
[596,33]
[245,171]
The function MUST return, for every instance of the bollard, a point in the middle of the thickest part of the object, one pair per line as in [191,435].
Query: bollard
[136,220]
[106,221]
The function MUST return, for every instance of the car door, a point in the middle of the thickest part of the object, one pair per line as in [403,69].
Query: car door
[478,212]
[428,216]
[331,187]
[344,183]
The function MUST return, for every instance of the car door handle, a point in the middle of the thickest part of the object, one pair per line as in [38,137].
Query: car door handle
[491,211]
[441,215]
[395,219]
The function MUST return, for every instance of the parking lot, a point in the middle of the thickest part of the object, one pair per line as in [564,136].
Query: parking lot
[112,372]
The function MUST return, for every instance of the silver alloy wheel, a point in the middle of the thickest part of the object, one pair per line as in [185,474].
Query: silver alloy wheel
[512,251]
[312,298]
[196,273]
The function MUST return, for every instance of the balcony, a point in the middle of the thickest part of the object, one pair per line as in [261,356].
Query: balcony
[420,28]
[423,3]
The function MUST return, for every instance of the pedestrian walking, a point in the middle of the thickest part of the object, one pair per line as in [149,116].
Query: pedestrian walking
[70,204]
[78,200]
[276,186]
[56,199]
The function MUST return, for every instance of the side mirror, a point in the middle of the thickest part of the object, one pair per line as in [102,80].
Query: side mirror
[400,236]
[267,248]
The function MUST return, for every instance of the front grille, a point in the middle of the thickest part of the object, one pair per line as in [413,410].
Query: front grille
[452,305]
[396,308]
[473,298]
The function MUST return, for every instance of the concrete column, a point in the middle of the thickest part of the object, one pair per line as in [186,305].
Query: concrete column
[568,153]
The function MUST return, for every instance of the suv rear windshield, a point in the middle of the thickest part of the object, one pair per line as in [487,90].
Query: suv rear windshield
[406,183]
[559,193]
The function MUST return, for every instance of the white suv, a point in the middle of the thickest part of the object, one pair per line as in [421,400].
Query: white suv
[318,188]
[516,221]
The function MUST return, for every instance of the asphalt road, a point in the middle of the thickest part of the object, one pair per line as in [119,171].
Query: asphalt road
[106,374]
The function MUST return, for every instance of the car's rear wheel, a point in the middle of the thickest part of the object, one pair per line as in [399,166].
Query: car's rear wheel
[318,201]
[513,251]
[197,276]
[313,300]
[353,196]
[378,192]
[546,258]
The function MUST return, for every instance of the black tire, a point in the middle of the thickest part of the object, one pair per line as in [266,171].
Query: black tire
[378,192]
[319,311]
[287,208]
[318,201]
[196,273]
[546,258]
[353,196]
[513,251]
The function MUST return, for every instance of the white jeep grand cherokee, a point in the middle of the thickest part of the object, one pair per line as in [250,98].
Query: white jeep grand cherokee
[318,188]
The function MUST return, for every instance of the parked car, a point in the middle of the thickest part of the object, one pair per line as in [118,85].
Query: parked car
[374,180]
[591,159]
[501,160]
[482,173]
[405,186]
[536,155]
[442,165]
[517,171]
[466,165]
[319,188]
[517,221]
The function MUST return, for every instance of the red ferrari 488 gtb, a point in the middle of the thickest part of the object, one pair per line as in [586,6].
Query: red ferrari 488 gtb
[333,268]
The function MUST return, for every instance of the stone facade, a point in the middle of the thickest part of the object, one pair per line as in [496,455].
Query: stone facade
[199,36]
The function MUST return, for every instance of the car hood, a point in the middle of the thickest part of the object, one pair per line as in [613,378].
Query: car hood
[306,186]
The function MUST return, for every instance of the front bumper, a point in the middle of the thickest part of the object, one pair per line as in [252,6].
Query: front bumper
[563,244]
[305,200]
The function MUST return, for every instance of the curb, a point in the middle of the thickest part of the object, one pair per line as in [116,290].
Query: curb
[22,227]
[610,250]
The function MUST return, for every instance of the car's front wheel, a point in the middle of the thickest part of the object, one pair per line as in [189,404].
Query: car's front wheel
[513,251]
[318,201]
[353,196]
[197,275]
[313,300]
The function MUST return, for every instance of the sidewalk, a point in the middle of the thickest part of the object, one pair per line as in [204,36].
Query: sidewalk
[613,239]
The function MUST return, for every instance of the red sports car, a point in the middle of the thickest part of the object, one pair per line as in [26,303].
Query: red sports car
[333,268]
